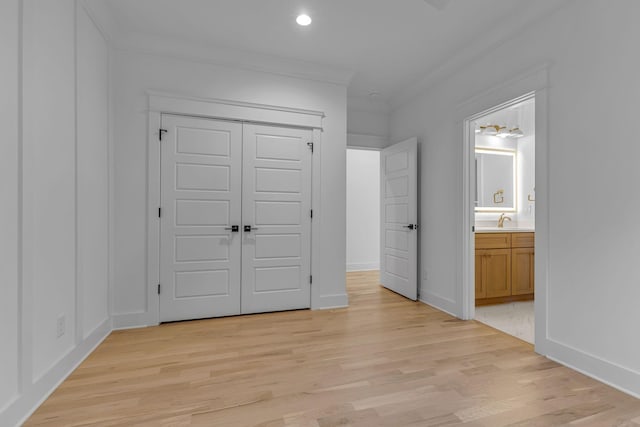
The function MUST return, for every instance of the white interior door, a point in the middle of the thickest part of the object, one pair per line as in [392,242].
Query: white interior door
[276,232]
[201,172]
[398,218]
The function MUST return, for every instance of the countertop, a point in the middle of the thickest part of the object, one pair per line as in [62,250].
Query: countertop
[480,229]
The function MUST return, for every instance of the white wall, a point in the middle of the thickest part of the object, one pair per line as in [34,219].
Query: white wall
[526,181]
[363,210]
[9,225]
[133,74]
[49,176]
[365,122]
[593,290]
[64,194]
[367,129]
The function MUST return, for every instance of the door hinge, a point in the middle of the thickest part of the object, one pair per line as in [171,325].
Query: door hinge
[310,280]
[160,132]
[159,212]
[311,213]
[473,228]
[158,288]
[310,145]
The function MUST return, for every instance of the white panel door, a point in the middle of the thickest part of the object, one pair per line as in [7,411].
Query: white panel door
[276,232]
[398,218]
[201,172]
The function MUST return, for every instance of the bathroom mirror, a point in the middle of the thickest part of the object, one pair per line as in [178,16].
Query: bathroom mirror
[495,180]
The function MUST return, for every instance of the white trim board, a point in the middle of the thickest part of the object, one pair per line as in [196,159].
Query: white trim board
[233,110]
[21,409]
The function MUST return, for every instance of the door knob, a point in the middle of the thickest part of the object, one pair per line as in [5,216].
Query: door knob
[233,228]
[411,226]
[248,228]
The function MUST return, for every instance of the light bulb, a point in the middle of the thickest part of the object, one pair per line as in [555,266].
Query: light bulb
[303,20]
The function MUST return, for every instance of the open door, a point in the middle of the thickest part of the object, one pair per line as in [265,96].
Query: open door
[398,218]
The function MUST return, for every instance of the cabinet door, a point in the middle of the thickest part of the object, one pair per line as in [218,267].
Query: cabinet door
[522,271]
[497,272]
[481,290]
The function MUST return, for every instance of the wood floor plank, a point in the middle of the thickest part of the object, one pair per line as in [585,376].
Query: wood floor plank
[384,361]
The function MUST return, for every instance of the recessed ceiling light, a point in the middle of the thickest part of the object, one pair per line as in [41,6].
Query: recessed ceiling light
[303,20]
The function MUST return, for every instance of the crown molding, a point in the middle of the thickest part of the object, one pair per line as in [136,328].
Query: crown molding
[496,37]
[233,58]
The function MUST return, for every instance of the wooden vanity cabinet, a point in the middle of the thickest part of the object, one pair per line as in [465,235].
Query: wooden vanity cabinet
[522,271]
[504,267]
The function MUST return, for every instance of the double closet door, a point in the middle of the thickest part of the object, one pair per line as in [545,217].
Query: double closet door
[235,225]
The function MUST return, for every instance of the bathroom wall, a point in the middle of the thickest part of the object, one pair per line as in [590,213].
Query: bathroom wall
[524,116]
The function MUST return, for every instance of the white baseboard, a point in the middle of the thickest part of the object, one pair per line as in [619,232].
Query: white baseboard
[332,301]
[366,266]
[612,374]
[31,398]
[438,302]
[131,321]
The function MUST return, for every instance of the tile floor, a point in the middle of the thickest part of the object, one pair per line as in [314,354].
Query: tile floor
[515,318]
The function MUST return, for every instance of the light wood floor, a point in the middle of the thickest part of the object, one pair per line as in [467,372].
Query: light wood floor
[384,361]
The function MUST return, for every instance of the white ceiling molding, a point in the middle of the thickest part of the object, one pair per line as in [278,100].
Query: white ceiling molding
[102,15]
[233,58]
[492,39]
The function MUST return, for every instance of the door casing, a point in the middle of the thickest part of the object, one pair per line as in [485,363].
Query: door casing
[163,103]
[534,82]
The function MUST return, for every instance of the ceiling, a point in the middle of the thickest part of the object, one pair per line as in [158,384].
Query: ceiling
[388,46]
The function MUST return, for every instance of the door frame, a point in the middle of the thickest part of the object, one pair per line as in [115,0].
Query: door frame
[165,103]
[534,83]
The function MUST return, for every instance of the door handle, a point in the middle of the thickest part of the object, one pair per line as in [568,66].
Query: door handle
[248,228]
[411,226]
[233,228]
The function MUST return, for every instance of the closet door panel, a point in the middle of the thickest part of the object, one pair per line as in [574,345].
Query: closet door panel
[276,248]
[201,172]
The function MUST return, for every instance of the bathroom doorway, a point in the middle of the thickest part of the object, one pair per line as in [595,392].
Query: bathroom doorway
[502,187]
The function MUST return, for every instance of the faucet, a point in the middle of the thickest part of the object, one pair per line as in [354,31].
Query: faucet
[501,220]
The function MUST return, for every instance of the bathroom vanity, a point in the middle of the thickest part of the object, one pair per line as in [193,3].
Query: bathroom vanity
[504,265]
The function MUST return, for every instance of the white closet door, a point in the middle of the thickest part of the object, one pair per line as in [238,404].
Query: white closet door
[201,172]
[398,218]
[276,249]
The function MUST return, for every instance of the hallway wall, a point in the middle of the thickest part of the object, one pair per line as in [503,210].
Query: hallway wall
[363,210]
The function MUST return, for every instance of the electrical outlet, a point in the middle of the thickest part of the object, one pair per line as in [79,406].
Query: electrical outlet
[61,325]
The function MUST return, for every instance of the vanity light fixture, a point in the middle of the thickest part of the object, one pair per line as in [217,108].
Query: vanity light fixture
[303,20]
[504,133]
[501,131]
[491,130]
[516,132]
